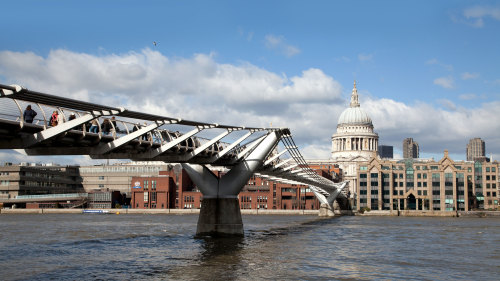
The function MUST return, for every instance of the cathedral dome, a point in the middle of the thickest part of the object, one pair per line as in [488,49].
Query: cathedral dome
[354,115]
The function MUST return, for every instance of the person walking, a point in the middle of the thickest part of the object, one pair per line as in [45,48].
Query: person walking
[106,126]
[60,118]
[114,128]
[54,118]
[94,126]
[29,114]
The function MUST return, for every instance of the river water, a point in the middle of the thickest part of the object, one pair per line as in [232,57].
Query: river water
[163,247]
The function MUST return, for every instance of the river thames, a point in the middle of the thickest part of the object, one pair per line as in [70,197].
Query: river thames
[163,247]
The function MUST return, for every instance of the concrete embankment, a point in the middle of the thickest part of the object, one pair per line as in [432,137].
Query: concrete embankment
[479,214]
[408,213]
[153,211]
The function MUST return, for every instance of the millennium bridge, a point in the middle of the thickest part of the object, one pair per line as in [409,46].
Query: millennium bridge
[138,136]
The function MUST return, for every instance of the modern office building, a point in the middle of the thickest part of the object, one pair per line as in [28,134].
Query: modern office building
[476,148]
[117,177]
[354,141]
[38,179]
[412,184]
[386,151]
[410,148]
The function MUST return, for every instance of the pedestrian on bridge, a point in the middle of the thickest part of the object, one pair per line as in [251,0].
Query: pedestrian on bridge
[106,126]
[29,114]
[54,118]
[94,126]
[115,128]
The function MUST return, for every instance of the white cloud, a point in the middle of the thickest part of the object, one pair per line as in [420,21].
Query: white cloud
[475,15]
[468,96]
[448,104]
[279,43]
[248,35]
[445,82]
[199,88]
[467,75]
[365,57]
[343,59]
[433,128]
[434,61]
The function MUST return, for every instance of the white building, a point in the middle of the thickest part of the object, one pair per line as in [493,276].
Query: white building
[354,141]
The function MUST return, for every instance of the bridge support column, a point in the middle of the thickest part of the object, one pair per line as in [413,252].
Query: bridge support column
[220,211]
[219,217]
[325,210]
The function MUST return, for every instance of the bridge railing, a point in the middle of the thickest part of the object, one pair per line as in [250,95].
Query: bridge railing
[147,137]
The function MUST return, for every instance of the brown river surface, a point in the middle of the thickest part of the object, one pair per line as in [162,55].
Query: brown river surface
[163,247]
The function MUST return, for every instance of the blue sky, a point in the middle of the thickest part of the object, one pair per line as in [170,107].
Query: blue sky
[424,69]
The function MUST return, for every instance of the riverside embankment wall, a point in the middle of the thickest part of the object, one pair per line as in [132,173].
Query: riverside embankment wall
[154,211]
[408,213]
[261,212]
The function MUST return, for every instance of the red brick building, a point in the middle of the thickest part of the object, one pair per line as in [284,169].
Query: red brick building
[175,190]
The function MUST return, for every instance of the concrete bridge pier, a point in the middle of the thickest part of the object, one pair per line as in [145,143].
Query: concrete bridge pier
[220,217]
[325,211]
[220,211]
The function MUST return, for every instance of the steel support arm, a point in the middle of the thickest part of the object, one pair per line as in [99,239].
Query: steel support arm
[107,147]
[231,183]
[231,146]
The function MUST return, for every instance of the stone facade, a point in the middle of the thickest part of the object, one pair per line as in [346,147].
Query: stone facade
[412,184]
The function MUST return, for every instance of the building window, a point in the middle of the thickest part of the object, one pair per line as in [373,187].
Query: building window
[101,177]
[146,196]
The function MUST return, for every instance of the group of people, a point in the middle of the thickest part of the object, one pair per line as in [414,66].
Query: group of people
[108,125]
[29,116]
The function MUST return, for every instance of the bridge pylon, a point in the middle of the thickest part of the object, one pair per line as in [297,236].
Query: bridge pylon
[220,211]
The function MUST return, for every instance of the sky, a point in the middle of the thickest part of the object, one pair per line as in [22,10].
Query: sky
[429,70]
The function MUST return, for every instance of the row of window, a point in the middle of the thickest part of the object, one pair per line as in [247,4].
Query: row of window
[121,169]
